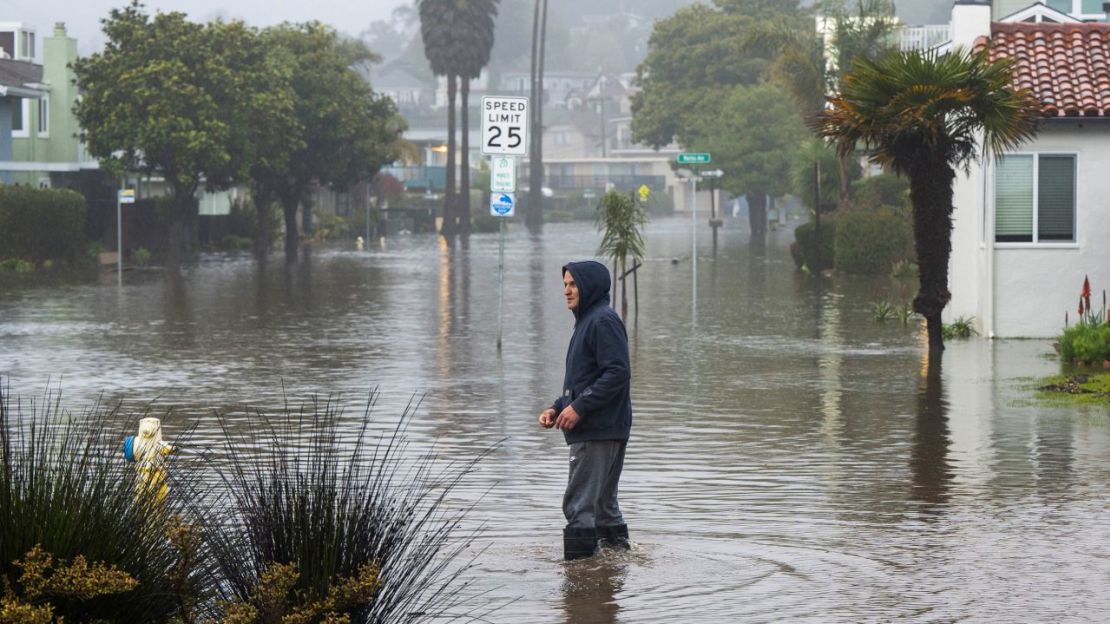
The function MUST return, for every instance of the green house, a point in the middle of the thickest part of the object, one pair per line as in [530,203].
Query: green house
[45,148]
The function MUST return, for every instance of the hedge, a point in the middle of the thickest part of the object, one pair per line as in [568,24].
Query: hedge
[804,249]
[871,242]
[41,224]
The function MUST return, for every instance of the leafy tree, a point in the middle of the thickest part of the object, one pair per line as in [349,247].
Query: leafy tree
[700,87]
[754,141]
[808,65]
[344,132]
[694,59]
[180,100]
[924,115]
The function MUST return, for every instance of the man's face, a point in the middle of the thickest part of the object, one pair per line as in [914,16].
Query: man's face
[570,291]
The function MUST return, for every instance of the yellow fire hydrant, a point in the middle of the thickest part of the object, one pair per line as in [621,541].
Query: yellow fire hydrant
[148,450]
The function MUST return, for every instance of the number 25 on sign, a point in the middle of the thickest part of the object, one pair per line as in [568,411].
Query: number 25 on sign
[504,125]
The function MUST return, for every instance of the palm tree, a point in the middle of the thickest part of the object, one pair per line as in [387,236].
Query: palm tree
[477,45]
[923,115]
[620,216]
[440,24]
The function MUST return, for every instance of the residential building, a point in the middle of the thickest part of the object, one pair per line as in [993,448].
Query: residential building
[1029,225]
[47,151]
[20,86]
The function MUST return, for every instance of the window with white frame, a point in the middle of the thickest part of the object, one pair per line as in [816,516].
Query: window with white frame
[21,112]
[44,117]
[1034,198]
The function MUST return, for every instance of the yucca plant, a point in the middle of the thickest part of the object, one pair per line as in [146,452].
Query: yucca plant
[66,492]
[620,217]
[304,491]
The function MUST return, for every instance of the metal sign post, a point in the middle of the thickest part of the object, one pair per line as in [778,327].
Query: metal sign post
[504,137]
[502,205]
[123,196]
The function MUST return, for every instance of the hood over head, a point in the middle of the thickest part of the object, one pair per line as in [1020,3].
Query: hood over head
[593,283]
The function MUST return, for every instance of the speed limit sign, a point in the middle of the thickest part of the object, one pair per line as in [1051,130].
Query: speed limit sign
[504,125]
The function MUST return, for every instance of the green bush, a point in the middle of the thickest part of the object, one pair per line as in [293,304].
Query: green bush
[41,224]
[1086,342]
[871,242]
[805,251]
[881,190]
[16,265]
[141,256]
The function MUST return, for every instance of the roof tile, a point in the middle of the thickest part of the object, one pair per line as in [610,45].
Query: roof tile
[1066,66]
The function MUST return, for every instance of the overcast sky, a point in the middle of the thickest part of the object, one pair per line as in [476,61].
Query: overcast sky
[82,17]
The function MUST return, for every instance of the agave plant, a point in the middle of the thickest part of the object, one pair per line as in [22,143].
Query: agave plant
[326,506]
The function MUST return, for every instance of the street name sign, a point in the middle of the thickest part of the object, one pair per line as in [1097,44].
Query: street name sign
[504,125]
[694,158]
[127,196]
[502,177]
[502,204]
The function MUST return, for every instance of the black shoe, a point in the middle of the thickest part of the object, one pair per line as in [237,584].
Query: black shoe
[579,543]
[615,537]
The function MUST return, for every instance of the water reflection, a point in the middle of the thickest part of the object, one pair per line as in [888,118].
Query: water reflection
[782,455]
[591,589]
[929,467]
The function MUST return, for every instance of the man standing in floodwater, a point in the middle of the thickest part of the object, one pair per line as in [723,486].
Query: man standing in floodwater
[594,413]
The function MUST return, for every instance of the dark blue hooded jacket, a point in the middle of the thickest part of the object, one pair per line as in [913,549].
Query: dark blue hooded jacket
[598,380]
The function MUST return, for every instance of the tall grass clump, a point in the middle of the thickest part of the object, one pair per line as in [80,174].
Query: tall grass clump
[312,505]
[78,539]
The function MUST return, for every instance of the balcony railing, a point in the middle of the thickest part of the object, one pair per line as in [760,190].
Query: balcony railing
[602,182]
[420,178]
[924,37]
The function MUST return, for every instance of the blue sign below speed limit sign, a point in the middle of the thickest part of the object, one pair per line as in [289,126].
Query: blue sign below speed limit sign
[504,125]
[502,204]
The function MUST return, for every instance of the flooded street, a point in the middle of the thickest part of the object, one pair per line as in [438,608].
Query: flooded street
[788,460]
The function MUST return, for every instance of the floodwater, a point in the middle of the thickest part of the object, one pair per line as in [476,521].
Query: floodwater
[791,459]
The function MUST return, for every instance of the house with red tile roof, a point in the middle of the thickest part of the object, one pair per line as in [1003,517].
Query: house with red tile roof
[1030,224]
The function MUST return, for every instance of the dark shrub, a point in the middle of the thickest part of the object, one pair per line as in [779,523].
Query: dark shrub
[65,487]
[871,242]
[881,190]
[41,224]
[806,250]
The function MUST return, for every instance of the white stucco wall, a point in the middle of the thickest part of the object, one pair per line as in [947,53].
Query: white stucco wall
[1034,284]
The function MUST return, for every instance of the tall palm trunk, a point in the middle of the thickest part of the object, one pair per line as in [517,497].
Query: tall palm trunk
[463,205]
[931,196]
[534,216]
[449,192]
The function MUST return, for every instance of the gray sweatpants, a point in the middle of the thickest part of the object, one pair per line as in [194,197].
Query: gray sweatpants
[591,497]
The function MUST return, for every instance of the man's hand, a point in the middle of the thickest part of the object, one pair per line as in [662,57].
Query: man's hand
[547,418]
[567,419]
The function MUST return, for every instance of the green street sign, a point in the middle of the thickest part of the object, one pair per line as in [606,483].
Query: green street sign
[694,158]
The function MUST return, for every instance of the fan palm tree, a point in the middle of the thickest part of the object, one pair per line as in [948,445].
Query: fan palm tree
[477,44]
[923,115]
[440,24]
